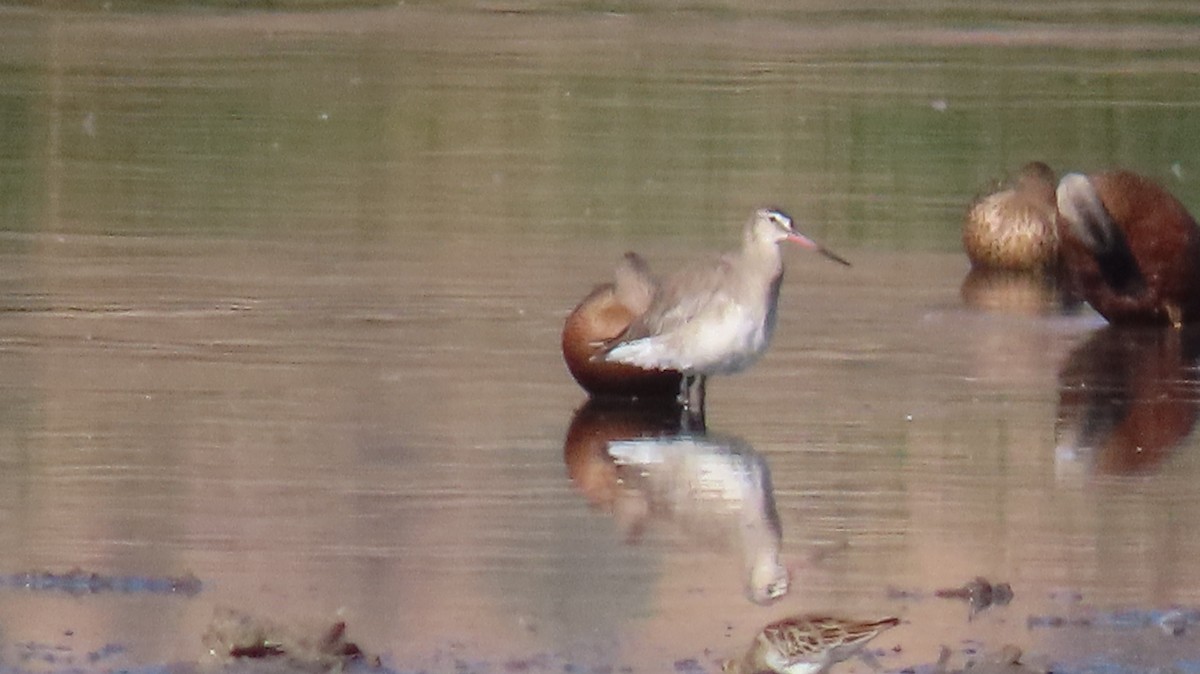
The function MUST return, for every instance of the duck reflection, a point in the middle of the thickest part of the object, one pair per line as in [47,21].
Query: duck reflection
[634,462]
[1127,397]
[601,420]
[1017,292]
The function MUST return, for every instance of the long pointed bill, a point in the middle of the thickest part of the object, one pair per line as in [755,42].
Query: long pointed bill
[808,243]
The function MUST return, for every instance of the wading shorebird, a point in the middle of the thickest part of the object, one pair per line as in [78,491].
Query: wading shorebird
[1132,249]
[1013,229]
[603,315]
[715,317]
[806,645]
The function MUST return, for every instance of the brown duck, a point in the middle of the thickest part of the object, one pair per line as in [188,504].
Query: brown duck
[1013,229]
[1130,247]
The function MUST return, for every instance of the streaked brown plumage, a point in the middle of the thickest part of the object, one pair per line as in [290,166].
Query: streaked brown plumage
[809,644]
[1013,229]
[1131,248]
[605,313]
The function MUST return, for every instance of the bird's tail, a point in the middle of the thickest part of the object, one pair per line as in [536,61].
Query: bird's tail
[1090,223]
[639,352]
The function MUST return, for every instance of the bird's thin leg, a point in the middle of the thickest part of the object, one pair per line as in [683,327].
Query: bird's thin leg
[692,418]
[693,393]
[685,388]
[691,403]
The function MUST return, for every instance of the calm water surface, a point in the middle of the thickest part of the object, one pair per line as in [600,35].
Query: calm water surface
[280,298]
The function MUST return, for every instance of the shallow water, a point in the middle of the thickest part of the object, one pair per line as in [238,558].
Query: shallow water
[280,298]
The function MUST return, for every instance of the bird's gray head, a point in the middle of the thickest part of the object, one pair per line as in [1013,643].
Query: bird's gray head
[773,225]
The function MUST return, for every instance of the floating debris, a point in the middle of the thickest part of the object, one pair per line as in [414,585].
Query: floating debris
[65,657]
[1007,660]
[979,594]
[80,582]
[689,666]
[233,635]
[1055,621]
[894,593]
[1176,621]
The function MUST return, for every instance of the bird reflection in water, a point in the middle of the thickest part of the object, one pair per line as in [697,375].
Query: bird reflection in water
[600,420]
[1016,292]
[631,460]
[1127,397]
